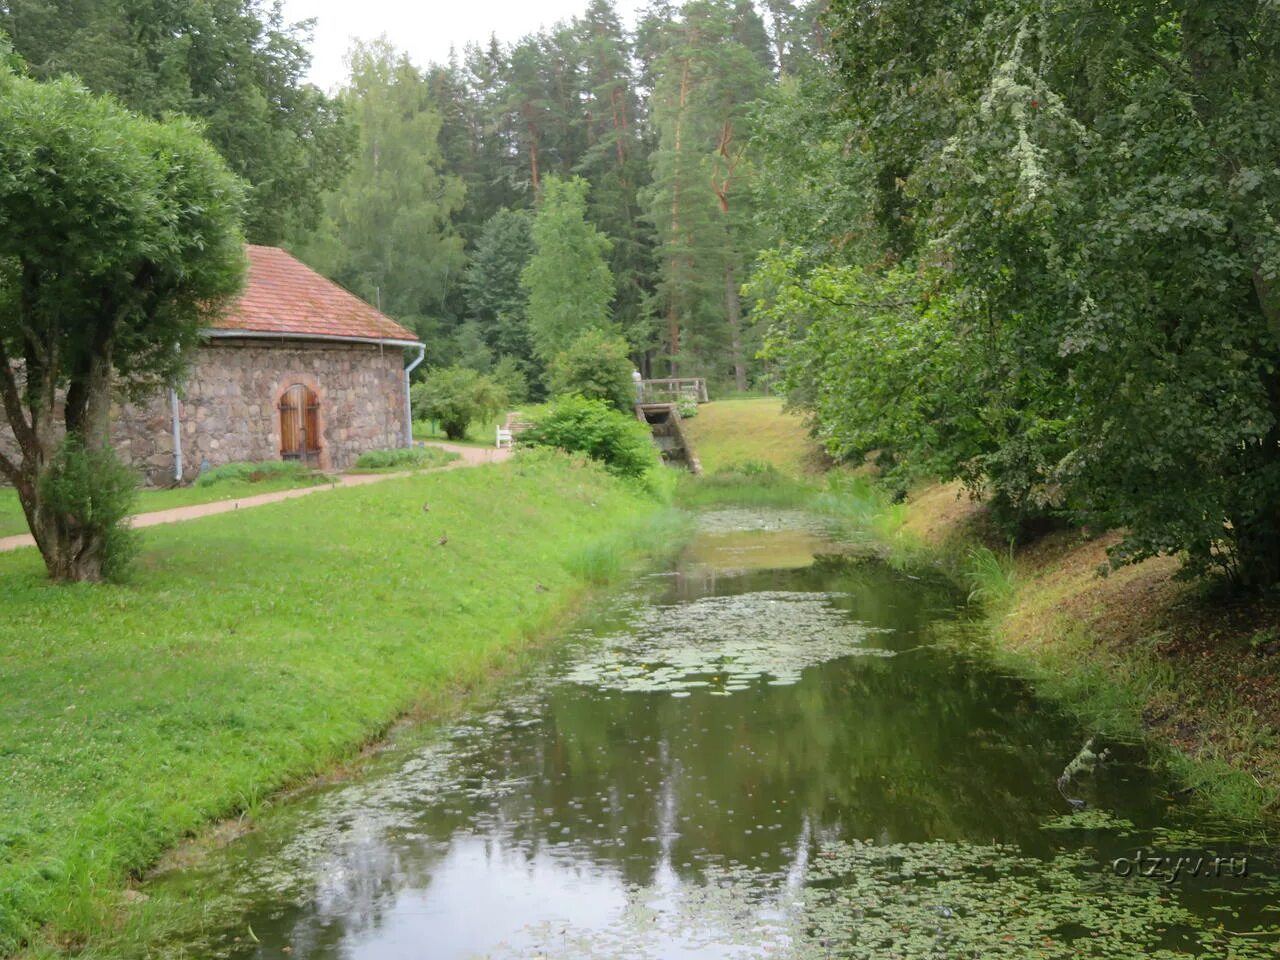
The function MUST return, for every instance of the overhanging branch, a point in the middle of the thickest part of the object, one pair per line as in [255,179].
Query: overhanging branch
[23,431]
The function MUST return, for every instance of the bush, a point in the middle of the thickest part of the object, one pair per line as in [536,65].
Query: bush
[597,367]
[688,409]
[577,424]
[406,458]
[93,491]
[255,472]
[457,396]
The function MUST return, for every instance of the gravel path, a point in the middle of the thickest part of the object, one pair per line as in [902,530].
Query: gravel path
[471,457]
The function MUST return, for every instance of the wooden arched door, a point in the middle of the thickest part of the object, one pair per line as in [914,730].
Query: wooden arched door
[300,425]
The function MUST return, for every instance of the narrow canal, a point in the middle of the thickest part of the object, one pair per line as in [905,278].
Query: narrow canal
[765,752]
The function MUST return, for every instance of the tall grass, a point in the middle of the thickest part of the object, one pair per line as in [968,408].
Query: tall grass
[287,470]
[990,577]
[612,558]
[405,458]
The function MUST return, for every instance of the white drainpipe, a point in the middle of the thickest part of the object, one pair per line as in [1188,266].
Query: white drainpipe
[177,436]
[408,405]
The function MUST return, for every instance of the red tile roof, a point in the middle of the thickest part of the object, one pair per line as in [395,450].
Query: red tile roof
[282,295]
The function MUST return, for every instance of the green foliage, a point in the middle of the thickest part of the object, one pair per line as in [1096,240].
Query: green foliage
[101,207]
[234,65]
[595,365]
[405,458]
[878,364]
[706,74]
[244,472]
[1062,286]
[567,279]
[91,492]
[496,300]
[456,397]
[387,230]
[688,409]
[508,373]
[991,578]
[119,238]
[578,425]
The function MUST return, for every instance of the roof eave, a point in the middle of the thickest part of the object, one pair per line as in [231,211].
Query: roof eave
[226,334]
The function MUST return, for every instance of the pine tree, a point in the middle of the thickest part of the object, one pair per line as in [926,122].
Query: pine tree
[705,80]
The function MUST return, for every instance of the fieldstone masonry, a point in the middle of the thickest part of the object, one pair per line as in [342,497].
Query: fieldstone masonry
[228,407]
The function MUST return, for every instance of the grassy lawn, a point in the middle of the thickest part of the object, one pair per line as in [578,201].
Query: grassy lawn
[478,434]
[394,461]
[13,522]
[731,431]
[252,649]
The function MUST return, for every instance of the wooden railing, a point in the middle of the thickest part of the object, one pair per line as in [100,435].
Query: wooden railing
[671,390]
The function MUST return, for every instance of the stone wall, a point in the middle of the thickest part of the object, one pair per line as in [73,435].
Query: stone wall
[228,406]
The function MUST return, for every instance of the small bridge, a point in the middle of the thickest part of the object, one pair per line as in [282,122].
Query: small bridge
[672,390]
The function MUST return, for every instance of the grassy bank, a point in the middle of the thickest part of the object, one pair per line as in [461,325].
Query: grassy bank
[1135,653]
[252,650]
[727,432]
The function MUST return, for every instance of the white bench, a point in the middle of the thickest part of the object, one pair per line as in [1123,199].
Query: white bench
[504,438]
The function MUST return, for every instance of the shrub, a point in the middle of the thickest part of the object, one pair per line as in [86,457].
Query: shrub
[405,458]
[688,409]
[596,366]
[457,396]
[256,472]
[578,424]
[91,491]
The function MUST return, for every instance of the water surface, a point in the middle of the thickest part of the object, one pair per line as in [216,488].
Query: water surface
[765,752]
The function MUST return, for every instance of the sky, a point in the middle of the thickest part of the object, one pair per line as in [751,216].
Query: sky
[425,29]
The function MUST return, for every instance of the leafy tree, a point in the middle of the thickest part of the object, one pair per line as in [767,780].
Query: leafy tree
[387,232]
[595,366]
[567,279]
[233,64]
[579,425]
[119,239]
[1085,195]
[456,397]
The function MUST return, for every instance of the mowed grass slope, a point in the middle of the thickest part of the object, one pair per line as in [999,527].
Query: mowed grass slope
[733,431]
[253,649]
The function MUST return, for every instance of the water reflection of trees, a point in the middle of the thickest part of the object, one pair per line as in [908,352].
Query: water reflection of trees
[920,746]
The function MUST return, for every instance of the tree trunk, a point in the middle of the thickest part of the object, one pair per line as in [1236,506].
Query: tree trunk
[673,313]
[71,553]
[733,311]
[533,159]
[73,548]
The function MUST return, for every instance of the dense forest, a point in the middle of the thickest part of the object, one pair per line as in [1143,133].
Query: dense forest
[1030,247]
[416,186]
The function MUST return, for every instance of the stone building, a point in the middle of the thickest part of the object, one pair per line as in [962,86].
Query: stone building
[297,369]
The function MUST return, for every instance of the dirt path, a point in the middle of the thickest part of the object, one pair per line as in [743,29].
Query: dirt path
[471,457]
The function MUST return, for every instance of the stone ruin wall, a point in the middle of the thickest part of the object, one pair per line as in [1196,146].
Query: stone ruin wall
[228,406]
